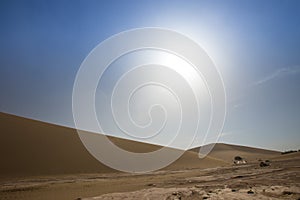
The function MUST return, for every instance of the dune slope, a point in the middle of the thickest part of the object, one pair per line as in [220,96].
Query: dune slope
[29,147]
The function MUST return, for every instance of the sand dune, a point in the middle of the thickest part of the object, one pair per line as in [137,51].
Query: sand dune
[227,152]
[46,161]
[29,147]
[290,156]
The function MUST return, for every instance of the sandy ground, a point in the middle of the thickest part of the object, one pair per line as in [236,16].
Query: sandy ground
[41,161]
[280,180]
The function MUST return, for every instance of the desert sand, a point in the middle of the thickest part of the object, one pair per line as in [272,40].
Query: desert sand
[46,161]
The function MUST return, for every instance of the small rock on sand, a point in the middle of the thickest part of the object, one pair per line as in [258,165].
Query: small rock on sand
[250,192]
[151,184]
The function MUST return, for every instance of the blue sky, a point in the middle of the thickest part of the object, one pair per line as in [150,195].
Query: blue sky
[255,45]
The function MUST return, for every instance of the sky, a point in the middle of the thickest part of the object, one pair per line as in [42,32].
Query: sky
[254,44]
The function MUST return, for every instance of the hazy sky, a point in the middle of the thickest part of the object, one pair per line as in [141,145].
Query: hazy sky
[255,45]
